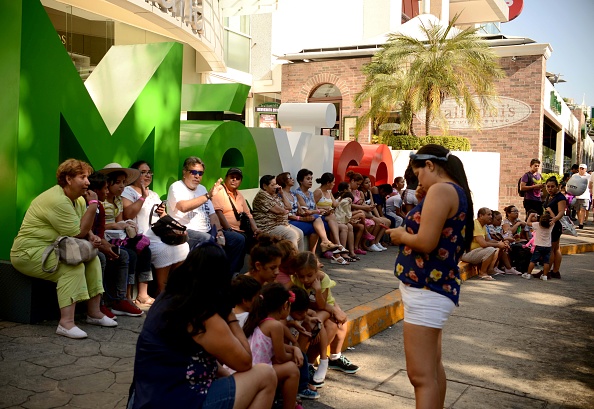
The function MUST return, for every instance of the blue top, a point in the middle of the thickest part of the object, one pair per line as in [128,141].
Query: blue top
[437,271]
[170,373]
[307,197]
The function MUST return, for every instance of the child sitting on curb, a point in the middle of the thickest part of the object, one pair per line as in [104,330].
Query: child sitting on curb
[318,286]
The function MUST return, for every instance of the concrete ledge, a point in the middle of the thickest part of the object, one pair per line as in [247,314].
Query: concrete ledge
[369,319]
[577,248]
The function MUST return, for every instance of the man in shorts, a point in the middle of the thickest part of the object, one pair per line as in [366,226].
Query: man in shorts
[582,202]
[484,251]
[532,187]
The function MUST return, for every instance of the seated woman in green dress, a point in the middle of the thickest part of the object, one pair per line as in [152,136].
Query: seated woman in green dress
[62,211]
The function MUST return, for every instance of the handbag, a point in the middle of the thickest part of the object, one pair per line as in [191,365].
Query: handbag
[68,250]
[567,226]
[242,218]
[168,229]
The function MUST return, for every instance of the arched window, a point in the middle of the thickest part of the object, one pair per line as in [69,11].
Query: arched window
[331,94]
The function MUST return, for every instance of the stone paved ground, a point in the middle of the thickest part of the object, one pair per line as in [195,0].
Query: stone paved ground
[39,369]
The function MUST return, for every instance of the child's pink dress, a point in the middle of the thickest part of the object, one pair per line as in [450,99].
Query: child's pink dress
[261,346]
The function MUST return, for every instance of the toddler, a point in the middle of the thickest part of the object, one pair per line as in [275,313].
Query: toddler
[542,241]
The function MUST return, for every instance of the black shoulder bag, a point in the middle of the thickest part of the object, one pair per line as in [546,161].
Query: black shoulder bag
[243,219]
[168,229]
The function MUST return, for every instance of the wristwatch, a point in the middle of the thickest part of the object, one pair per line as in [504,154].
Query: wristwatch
[207,196]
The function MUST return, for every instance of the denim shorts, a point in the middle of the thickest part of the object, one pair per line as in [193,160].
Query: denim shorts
[221,394]
[425,307]
[541,253]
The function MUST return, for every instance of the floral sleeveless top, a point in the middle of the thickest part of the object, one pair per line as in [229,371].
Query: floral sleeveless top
[436,271]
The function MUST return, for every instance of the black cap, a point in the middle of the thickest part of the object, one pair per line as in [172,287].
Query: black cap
[234,170]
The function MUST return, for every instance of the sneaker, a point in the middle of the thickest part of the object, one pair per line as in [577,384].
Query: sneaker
[106,311]
[527,276]
[512,271]
[374,247]
[537,275]
[102,322]
[555,274]
[316,384]
[381,247]
[74,332]
[342,364]
[125,307]
[581,226]
[544,277]
[308,394]
[498,271]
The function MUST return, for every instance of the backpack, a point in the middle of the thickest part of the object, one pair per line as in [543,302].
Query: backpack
[522,193]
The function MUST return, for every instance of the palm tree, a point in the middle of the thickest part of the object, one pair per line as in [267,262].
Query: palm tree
[415,74]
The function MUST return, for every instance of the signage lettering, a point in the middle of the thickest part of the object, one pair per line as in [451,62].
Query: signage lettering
[506,112]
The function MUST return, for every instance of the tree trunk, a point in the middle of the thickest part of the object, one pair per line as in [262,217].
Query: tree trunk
[427,119]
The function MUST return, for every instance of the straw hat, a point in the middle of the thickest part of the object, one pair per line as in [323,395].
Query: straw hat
[131,174]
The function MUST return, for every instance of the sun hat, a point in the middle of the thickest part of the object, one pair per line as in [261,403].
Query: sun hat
[131,174]
[583,165]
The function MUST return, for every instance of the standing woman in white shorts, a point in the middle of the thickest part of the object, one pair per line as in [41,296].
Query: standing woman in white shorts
[427,265]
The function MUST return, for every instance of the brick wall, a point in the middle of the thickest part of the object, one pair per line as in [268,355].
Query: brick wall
[300,80]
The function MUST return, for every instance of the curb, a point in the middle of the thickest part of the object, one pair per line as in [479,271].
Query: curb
[371,318]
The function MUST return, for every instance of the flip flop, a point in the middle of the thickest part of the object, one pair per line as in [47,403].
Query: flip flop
[486,278]
[340,250]
[329,246]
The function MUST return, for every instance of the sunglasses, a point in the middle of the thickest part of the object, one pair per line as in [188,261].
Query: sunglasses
[146,172]
[196,172]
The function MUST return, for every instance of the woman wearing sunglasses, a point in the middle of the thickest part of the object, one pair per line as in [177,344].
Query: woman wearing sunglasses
[432,241]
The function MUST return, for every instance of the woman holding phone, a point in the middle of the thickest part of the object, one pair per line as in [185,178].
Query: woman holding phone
[138,202]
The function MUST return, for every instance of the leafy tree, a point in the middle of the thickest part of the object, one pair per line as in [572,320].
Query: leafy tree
[411,74]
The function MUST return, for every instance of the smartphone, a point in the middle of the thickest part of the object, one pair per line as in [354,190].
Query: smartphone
[116,249]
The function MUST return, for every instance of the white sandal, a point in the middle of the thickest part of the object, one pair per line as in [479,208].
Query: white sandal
[338,260]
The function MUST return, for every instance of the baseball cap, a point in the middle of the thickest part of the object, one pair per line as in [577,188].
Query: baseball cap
[234,170]
[583,165]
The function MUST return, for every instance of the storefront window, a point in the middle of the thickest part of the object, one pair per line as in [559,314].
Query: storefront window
[237,43]
[86,36]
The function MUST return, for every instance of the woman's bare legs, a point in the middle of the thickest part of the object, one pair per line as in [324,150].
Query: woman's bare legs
[422,348]
[288,376]
[318,225]
[162,276]
[556,257]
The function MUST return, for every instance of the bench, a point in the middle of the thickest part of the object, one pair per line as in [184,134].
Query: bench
[25,299]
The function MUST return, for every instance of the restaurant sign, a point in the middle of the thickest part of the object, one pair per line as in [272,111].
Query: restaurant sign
[506,112]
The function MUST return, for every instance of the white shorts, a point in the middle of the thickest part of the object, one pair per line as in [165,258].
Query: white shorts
[425,307]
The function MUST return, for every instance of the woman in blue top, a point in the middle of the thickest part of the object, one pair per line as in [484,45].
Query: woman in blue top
[427,265]
[190,329]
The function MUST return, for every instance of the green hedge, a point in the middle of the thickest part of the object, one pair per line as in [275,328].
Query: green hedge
[408,142]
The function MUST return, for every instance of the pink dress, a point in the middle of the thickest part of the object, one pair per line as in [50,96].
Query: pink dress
[261,346]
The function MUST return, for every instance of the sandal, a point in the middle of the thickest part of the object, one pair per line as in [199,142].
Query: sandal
[340,250]
[349,259]
[149,301]
[329,246]
[354,256]
[338,260]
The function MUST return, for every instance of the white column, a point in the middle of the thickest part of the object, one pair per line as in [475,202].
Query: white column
[560,151]
[445,12]
[395,15]
[426,7]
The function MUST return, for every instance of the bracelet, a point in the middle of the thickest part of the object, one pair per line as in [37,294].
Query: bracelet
[142,198]
[229,322]
[207,196]
[93,201]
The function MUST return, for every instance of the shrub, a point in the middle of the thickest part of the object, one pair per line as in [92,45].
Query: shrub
[408,142]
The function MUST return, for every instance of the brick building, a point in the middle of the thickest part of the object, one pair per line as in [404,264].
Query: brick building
[532,121]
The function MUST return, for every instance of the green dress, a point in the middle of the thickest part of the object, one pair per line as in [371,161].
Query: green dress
[50,215]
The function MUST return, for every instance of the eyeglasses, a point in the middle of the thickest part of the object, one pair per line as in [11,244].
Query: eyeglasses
[146,172]
[514,211]
[289,177]
[196,172]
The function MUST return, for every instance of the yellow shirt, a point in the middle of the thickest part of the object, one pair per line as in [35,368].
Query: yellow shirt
[479,230]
